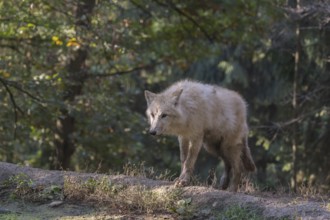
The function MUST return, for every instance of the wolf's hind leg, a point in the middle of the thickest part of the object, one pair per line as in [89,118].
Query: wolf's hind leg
[231,155]
[235,175]
[225,178]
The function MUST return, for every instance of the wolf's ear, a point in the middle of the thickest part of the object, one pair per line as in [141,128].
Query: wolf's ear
[176,96]
[150,96]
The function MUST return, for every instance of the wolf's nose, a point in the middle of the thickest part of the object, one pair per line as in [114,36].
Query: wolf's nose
[152,132]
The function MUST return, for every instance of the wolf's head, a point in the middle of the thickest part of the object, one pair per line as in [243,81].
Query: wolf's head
[163,112]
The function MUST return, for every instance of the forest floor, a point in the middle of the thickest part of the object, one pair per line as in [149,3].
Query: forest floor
[30,193]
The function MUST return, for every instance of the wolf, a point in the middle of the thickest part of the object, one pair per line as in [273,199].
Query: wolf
[203,115]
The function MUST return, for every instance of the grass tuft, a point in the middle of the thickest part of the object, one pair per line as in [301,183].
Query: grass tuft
[239,212]
[23,187]
[247,186]
[140,170]
[122,197]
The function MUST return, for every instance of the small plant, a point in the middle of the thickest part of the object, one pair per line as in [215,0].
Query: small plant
[247,186]
[309,191]
[140,170]
[136,170]
[9,216]
[24,188]
[52,192]
[239,213]
[183,207]
[21,180]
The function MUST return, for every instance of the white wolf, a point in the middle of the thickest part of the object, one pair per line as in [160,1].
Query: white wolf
[203,115]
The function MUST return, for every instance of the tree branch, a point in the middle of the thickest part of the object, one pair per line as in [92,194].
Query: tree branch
[122,72]
[141,7]
[292,121]
[19,88]
[7,84]
[15,106]
[187,16]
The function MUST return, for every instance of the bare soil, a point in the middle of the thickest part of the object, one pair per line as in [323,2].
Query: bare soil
[206,202]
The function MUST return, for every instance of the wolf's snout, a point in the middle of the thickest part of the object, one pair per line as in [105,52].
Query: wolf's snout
[152,132]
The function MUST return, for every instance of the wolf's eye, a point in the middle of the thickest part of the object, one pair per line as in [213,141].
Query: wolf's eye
[163,115]
[152,115]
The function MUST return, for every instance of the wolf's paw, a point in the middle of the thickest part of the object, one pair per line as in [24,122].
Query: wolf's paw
[181,183]
[183,180]
[224,182]
[233,188]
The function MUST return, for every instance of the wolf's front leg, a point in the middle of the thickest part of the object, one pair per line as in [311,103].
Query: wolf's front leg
[189,150]
[184,146]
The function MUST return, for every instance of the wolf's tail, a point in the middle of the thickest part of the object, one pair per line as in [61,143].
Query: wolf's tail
[247,157]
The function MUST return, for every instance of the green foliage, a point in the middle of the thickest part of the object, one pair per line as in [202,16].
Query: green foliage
[10,216]
[238,212]
[23,188]
[20,181]
[183,207]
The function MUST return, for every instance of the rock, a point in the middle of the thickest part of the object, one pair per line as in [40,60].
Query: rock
[55,204]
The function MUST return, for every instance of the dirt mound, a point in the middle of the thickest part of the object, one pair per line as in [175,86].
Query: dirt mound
[135,198]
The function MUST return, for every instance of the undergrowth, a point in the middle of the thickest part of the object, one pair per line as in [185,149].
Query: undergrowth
[140,170]
[238,212]
[23,187]
[100,191]
[124,198]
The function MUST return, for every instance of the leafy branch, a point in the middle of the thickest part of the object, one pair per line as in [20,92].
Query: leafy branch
[15,106]
[173,6]
[11,84]
[123,72]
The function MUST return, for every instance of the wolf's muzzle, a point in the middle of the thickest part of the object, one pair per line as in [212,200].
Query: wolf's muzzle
[152,132]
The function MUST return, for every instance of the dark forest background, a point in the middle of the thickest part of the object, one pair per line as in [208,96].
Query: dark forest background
[72,76]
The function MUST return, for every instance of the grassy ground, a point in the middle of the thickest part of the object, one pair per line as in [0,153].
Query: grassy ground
[39,194]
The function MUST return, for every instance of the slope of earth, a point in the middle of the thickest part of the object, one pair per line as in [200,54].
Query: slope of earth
[30,193]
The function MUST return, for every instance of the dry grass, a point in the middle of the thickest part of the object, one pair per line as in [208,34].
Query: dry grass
[247,186]
[140,170]
[22,187]
[311,191]
[127,198]
[113,198]
[101,192]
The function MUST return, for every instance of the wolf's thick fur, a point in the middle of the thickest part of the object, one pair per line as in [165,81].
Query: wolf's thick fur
[203,115]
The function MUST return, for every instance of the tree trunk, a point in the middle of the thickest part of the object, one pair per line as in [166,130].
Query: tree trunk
[325,149]
[73,83]
[295,104]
